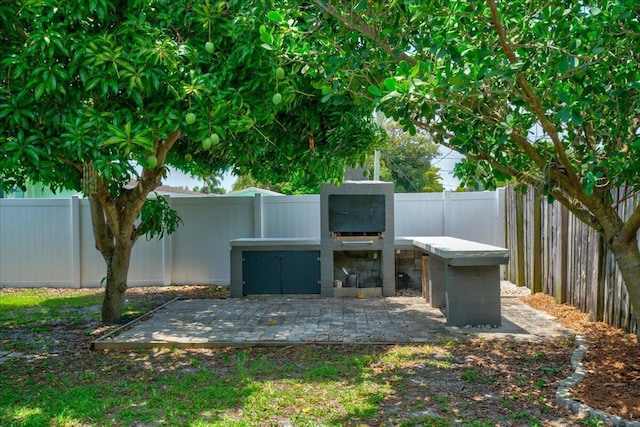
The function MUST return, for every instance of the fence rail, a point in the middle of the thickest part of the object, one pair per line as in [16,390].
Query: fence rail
[551,251]
[49,242]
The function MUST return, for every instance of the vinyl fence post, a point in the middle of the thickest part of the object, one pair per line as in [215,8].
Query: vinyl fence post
[257,216]
[446,209]
[76,262]
[167,245]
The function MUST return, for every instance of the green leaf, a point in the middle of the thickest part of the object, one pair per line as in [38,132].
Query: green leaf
[390,84]
[275,16]
[391,95]
[588,183]
[576,118]
[563,65]
[265,36]
[457,80]
[403,68]
[361,6]
[37,94]
[157,218]
[374,90]
[564,115]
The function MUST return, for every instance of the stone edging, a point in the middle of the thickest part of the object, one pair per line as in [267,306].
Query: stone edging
[94,344]
[564,398]
[7,355]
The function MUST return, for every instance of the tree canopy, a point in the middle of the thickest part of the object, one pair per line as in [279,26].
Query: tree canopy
[100,83]
[546,92]
[91,89]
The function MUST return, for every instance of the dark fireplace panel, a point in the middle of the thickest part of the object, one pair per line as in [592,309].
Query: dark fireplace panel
[357,213]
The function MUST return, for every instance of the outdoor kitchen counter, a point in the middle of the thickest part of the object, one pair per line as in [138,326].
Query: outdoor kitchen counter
[280,241]
[464,277]
[456,251]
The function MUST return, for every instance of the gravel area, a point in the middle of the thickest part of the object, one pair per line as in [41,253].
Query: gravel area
[508,289]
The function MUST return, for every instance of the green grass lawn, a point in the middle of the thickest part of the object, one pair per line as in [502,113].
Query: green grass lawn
[35,305]
[426,385]
[242,387]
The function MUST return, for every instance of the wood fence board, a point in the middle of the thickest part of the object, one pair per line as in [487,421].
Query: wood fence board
[550,245]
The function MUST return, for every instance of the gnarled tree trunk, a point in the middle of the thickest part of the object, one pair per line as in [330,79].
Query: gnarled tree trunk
[116,285]
[113,217]
[115,234]
[627,256]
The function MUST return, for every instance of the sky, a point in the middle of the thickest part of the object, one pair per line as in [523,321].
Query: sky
[177,178]
[445,160]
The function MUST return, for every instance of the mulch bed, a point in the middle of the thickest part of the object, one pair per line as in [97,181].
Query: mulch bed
[612,361]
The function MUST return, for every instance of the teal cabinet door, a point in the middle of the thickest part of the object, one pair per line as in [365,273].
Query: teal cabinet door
[280,272]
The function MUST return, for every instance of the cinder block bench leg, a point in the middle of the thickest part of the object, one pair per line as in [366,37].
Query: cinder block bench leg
[473,295]
[437,294]
[236,288]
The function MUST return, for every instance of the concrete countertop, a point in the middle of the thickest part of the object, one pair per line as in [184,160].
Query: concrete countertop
[454,249]
[451,249]
[268,241]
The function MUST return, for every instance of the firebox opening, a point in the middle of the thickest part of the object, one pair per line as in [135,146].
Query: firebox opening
[358,268]
[356,235]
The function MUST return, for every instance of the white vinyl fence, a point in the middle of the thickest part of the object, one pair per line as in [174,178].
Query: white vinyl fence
[49,242]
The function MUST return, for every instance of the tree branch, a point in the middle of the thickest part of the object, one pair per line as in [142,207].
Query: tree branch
[629,230]
[104,244]
[533,100]
[364,29]
[149,181]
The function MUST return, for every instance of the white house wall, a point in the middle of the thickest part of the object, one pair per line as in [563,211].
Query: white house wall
[49,242]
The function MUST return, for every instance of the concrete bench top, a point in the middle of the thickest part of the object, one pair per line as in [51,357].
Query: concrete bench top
[279,241]
[452,250]
[456,251]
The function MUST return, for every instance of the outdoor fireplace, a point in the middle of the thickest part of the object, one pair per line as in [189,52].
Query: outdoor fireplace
[357,238]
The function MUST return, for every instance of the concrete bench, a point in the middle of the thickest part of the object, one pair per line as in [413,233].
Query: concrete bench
[464,278]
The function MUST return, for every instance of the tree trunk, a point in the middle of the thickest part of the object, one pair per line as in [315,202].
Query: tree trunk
[113,217]
[116,286]
[627,256]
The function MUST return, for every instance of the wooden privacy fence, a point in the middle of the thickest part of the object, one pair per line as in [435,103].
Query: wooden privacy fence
[551,251]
